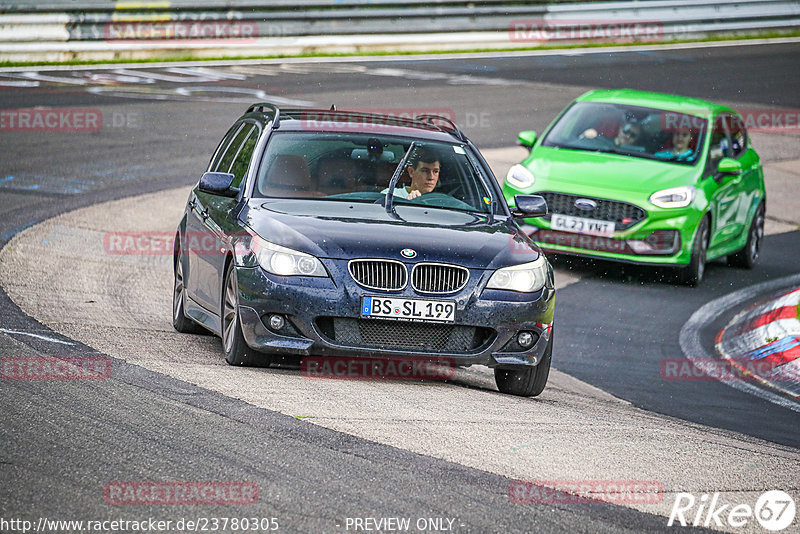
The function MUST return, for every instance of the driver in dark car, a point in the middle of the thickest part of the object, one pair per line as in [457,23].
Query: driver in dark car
[424,173]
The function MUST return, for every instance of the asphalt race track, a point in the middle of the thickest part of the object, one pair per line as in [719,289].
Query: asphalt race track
[324,451]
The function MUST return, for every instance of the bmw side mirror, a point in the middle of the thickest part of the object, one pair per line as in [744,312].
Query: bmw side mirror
[218,183]
[527,139]
[529,206]
[729,167]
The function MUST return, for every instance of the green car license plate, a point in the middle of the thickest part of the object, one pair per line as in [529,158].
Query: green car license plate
[581,225]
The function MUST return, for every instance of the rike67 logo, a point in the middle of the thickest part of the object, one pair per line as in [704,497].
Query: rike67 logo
[774,510]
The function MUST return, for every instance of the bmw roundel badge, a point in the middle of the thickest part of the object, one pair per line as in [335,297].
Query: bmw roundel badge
[408,252]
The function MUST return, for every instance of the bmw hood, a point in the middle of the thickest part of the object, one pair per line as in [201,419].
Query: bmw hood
[348,230]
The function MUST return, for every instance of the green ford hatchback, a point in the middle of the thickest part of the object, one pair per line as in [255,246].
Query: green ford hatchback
[646,178]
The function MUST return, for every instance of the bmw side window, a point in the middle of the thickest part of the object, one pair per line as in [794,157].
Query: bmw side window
[226,161]
[222,146]
[738,137]
[241,161]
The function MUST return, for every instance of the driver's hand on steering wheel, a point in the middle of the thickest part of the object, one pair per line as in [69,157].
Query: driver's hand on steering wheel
[589,133]
[413,194]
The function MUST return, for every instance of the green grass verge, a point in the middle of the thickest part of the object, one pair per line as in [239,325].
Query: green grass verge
[166,59]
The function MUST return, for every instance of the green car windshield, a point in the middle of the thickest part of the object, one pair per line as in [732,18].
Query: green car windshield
[357,167]
[629,130]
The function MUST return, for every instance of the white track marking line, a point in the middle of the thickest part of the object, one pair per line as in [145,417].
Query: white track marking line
[690,333]
[37,336]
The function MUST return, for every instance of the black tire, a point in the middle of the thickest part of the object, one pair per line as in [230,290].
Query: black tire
[692,274]
[525,381]
[235,348]
[180,322]
[747,257]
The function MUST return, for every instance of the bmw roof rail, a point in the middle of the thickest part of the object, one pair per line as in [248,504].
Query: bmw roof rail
[276,112]
[454,130]
[428,119]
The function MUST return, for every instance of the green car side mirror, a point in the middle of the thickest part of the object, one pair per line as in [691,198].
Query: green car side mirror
[527,138]
[729,167]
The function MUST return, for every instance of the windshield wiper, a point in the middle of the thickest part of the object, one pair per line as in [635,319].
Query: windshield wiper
[389,200]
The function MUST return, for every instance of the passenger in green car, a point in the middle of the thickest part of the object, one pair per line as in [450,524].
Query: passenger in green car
[680,150]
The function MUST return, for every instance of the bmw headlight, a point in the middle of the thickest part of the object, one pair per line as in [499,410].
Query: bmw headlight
[525,278]
[520,177]
[676,197]
[284,261]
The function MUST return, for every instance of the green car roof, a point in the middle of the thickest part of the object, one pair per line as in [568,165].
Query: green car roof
[679,104]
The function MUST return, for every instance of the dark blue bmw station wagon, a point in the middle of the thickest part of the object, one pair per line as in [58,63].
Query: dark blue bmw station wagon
[333,233]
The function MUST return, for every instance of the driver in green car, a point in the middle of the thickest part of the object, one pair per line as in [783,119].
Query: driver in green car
[629,133]
[424,173]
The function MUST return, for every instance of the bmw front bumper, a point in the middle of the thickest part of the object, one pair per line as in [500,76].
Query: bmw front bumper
[322,317]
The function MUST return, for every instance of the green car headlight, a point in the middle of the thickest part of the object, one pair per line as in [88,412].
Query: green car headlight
[284,261]
[676,197]
[525,278]
[520,177]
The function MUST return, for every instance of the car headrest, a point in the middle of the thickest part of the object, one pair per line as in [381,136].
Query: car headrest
[289,172]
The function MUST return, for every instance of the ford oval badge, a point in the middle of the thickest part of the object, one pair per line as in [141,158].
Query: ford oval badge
[408,252]
[585,204]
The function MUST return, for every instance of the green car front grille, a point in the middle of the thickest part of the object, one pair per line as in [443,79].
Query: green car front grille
[622,214]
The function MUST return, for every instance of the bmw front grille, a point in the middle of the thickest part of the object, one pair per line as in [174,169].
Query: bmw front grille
[438,278]
[386,275]
[392,275]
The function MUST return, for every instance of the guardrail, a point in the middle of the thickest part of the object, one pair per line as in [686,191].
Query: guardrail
[65,29]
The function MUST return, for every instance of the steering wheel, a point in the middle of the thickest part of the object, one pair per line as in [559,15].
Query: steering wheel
[441,200]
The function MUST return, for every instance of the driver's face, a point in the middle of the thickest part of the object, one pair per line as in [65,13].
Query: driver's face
[628,135]
[424,176]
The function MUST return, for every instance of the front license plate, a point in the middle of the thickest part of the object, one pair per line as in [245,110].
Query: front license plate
[441,311]
[580,225]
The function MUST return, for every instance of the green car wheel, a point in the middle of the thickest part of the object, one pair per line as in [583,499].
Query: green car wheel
[692,274]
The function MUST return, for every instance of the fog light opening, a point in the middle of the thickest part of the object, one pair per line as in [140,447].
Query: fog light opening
[525,340]
[276,322]
[660,242]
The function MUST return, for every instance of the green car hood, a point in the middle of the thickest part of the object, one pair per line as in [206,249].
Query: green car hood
[602,174]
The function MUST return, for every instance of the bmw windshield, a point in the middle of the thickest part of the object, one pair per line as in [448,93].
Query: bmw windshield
[629,130]
[358,167]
